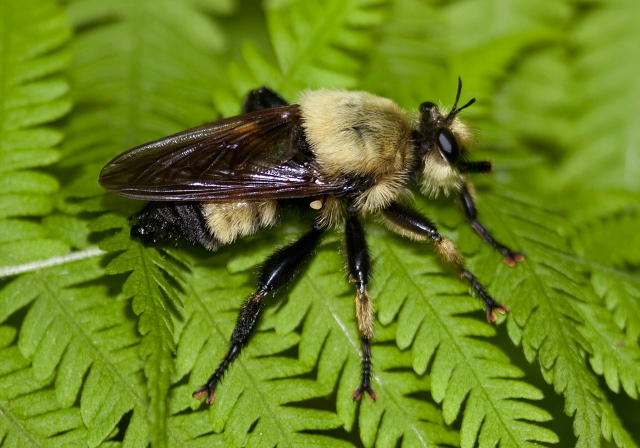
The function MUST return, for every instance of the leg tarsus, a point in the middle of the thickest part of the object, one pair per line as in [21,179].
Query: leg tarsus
[491,306]
[208,389]
[361,389]
[511,257]
[365,381]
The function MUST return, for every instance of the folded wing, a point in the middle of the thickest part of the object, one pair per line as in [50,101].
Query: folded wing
[259,155]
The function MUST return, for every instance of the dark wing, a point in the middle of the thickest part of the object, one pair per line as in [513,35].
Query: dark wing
[258,155]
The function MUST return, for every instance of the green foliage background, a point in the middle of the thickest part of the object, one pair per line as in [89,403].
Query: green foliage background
[102,341]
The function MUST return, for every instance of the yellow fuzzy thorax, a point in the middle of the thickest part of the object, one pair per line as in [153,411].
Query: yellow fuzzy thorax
[355,132]
[358,133]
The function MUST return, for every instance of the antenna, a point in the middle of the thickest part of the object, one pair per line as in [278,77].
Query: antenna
[455,109]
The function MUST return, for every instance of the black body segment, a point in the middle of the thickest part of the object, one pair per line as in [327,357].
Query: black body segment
[414,223]
[359,263]
[277,270]
[170,222]
[511,257]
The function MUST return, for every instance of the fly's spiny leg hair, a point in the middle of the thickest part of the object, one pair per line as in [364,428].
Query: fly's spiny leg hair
[276,271]
[360,273]
[260,99]
[410,223]
[170,222]
[511,257]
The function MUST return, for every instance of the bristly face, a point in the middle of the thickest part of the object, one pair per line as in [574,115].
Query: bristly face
[441,143]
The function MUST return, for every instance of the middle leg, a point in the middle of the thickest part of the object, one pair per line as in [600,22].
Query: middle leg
[360,273]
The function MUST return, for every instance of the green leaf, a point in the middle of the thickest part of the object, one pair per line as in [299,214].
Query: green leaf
[555,316]
[32,95]
[316,43]
[104,349]
[431,312]
[606,138]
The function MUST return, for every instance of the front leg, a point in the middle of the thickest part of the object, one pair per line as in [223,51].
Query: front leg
[410,223]
[359,273]
[511,257]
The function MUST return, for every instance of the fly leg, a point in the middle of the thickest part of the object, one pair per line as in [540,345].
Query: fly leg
[360,272]
[276,271]
[262,98]
[511,257]
[408,222]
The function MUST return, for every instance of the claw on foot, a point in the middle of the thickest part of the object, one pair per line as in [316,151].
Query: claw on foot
[357,394]
[205,390]
[512,258]
[497,307]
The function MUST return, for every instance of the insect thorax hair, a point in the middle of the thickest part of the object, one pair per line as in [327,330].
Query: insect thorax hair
[358,134]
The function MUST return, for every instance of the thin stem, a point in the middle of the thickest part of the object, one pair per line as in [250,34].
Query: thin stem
[8,271]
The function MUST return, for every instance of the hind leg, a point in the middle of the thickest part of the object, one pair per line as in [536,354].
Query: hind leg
[276,271]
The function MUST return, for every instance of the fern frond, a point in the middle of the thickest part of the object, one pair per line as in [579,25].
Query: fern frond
[426,46]
[318,43]
[535,107]
[606,241]
[606,139]
[72,340]
[616,356]
[158,85]
[95,360]
[621,293]
[430,310]
[249,405]
[329,334]
[612,240]
[487,38]
[559,319]
[32,94]
[153,298]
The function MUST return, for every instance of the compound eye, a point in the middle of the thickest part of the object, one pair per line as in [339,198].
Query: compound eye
[448,146]
[426,108]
